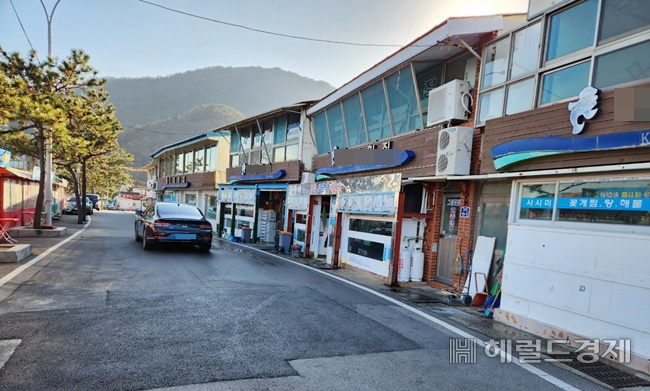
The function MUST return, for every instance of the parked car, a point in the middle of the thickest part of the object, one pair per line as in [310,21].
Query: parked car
[174,223]
[95,199]
[71,208]
[110,207]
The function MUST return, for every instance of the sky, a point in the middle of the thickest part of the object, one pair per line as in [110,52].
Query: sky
[130,38]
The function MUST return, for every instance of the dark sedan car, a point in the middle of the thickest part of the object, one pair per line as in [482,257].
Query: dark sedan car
[169,222]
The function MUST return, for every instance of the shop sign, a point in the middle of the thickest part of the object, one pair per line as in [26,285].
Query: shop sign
[464,212]
[387,183]
[176,179]
[225,195]
[383,203]
[584,107]
[298,202]
[244,196]
[627,204]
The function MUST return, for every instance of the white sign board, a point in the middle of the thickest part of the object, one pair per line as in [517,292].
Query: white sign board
[481,261]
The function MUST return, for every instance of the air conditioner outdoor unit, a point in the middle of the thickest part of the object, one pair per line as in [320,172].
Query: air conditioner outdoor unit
[308,177]
[446,103]
[454,151]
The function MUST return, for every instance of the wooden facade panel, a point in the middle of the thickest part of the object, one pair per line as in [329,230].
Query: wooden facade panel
[555,120]
[424,143]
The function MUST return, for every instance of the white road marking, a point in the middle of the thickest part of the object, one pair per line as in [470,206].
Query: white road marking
[536,371]
[45,253]
[7,348]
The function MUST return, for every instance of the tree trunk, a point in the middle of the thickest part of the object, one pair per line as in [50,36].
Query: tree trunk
[40,198]
[82,214]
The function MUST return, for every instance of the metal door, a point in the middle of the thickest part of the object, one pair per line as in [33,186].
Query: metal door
[447,239]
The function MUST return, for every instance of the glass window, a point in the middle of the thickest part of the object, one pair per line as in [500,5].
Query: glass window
[403,101]
[494,222]
[291,152]
[491,105]
[335,122]
[234,161]
[354,121]
[374,106]
[278,154]
[293,131]
[366,248]
[495,63]
[267,132]
[234,142]
[301,234]
[455,68]
[257,137]
[280,130]
[520,96]
[621,18]
[376,227]
[572,29]
[429,77]
[211,207]
[188,168]
[623,65]
[264,157]
[565,83]
[525,51]
[178,164]
[301,218]
[190,199]
[254,157]
[198,160]
[322,135]
[536,202]
[611,202]
[293,127]
[211,158]
[245,138]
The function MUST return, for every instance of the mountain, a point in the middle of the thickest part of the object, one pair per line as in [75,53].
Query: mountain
[250,90]
[143,140]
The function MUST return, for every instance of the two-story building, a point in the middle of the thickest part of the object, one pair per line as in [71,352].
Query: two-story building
[267,152]
[189,170]
[565,172]
[388,144]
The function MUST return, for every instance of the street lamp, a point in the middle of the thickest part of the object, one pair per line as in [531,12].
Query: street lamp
[48,140]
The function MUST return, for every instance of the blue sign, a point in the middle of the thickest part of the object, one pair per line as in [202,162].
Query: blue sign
[627,204]
[464,212]
[537,203]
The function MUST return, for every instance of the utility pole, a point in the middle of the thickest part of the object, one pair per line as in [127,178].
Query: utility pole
[48,137]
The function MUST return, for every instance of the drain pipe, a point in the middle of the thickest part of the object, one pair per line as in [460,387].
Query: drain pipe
[408,239]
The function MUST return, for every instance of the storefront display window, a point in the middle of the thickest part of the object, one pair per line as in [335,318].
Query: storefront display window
[611,202]
[605,201]
[536,201]
[366,248]
[211,207]
[372,226]
[190,199]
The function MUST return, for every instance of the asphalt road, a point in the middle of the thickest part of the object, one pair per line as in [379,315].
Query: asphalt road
[104,314]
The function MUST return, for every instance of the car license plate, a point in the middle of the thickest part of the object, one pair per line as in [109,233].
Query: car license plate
[185,236]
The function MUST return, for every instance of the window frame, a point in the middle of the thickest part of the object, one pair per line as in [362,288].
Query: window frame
[555,222]
[545,67]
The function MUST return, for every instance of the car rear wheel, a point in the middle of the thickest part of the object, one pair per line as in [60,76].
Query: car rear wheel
[205,247]
[137,237]
[146,245]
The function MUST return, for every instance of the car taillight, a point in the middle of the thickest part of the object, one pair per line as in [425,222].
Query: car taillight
[159,224]
[205,226]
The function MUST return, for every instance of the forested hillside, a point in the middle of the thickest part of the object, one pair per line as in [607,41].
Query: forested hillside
[144,140]
[250,90]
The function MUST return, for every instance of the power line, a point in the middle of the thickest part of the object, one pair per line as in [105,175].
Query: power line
[272,32]
[23,28]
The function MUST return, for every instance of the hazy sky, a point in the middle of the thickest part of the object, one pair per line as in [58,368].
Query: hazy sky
[132,38]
